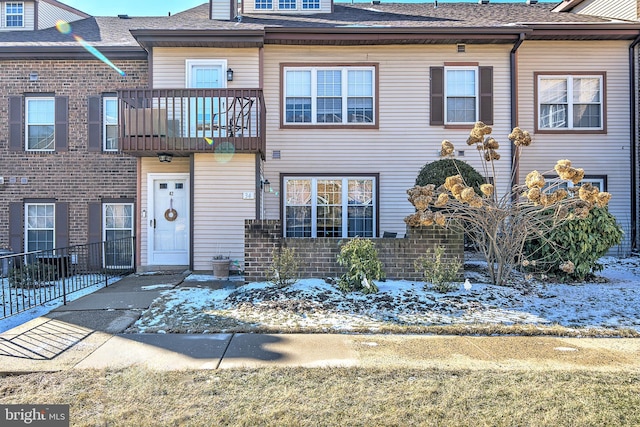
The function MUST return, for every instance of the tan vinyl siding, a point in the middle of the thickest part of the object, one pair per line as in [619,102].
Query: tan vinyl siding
[619,9]
[599,154]
[152,165]
[404,141]
[169,69]
[325,7]
[28,18]
[49,14]
[219,208]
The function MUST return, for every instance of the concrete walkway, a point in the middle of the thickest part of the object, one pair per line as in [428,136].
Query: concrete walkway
[88,334]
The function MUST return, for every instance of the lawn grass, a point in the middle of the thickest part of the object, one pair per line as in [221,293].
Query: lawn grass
[334,397]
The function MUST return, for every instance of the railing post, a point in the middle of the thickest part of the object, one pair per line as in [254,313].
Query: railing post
[103,263]
[64,289]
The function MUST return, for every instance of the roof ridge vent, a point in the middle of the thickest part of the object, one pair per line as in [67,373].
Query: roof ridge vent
[483,1]
[124,16]
[375,2]
[532,1]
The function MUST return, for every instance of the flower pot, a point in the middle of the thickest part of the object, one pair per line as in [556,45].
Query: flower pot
[220,268]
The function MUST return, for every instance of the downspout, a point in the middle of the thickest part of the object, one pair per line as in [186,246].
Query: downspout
[633,133]
[513,66]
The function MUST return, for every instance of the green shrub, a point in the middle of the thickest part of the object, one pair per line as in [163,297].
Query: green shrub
[571,251]
[283,271]
[360,256]
[438,271]
[437,172]
[31,275]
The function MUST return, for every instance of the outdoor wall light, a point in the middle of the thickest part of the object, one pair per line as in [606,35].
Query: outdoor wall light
[229,75]
[165,157]
[266,186]
[33,77]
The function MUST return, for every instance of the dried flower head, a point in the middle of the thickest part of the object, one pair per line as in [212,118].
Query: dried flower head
[588,193]
[525,263]
[413,220]
[440,219]
[467,194]
[491,155]
[560,194]
[457,189]
[443,198]
[426,218]
[450,181]
[490,144]
[476,202]
[487,189]
[447,149]
[477,133]
[534,194]
[567,267]
[603,199]
[520,137]
[422,202]
[562,165]
[534,180]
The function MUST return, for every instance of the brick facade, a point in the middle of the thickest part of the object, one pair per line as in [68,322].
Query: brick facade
[76,176]
[318,256]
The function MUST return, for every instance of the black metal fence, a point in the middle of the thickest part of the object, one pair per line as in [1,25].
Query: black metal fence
[31,279]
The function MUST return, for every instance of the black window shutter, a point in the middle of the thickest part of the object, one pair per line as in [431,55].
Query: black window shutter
[95,222]
[62,225]
[16,124]
[486,95]
[437,96]
[94,121]
[16,226]
[62,123]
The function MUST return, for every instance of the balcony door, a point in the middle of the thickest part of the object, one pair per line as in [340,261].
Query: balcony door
[168,219]
[206,114]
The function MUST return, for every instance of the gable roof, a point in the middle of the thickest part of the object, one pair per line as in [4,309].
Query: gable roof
[347,24]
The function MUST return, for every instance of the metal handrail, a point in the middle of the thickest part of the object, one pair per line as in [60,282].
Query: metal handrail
[30,279]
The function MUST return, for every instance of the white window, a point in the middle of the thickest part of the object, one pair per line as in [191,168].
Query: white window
[286,4]
[570,102]
[461,95]
[264,4]
[118,233]
[14,14]
[39,226]
[330,207]
[319,95]
[598,181]
[110,123]
[40,124]
[311,4]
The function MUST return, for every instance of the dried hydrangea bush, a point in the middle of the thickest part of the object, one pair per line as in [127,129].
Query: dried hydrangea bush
[500,225]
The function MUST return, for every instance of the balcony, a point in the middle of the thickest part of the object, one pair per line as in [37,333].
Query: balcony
[185,121]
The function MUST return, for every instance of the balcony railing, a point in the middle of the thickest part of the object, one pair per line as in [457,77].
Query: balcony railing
[184,121]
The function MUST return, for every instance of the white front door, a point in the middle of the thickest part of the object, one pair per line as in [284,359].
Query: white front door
[168,219]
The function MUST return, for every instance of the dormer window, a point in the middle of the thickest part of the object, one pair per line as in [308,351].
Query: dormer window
[14,15]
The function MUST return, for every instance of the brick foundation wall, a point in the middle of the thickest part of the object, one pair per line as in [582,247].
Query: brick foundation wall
[318,256]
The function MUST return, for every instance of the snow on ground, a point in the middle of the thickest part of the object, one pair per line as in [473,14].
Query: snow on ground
[611,302]
[42,309]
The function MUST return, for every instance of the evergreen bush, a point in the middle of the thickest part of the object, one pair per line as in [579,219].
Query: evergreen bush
[437,172]
[360,256]
[571,251]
